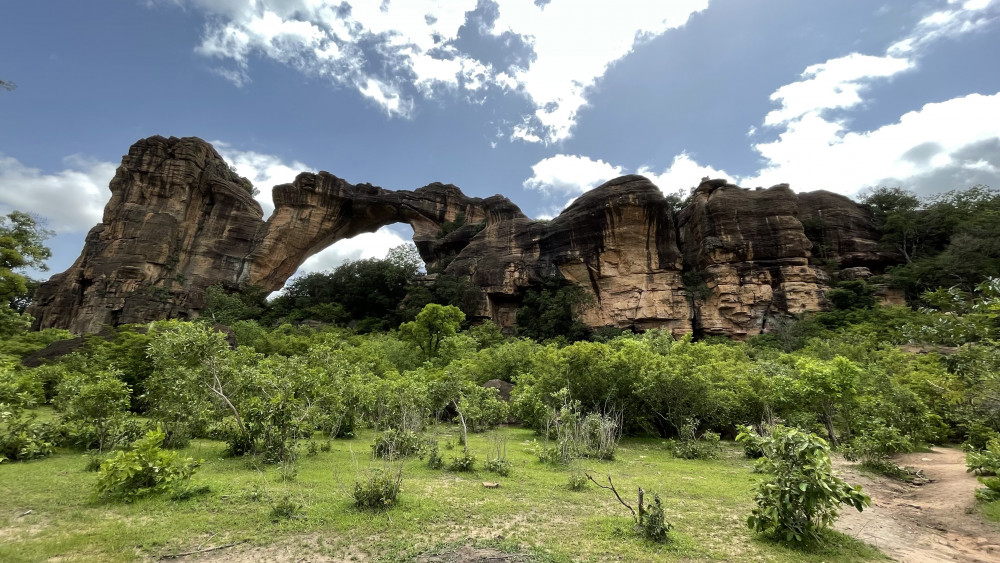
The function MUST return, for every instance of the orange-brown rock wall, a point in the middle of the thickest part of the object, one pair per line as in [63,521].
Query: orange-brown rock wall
[180,220]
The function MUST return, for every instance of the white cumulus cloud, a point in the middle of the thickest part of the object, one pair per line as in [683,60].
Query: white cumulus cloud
[835,84]
[71,200]
[575,41]
[571,175]
[263,170]
[683,174]
[360,247]
[564,174]
[815,146]
[393,52]
[816,154]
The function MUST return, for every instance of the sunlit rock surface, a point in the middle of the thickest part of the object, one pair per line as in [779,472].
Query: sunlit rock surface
[180,220]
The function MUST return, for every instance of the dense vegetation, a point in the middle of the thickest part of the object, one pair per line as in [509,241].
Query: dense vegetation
[396,367]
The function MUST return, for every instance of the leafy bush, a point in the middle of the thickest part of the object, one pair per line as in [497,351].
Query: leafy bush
[692,446]
[577,480]
[21,438]
[94,461]
[482,407]
[753,443]
[145,469]
[395,443]
[985,461]
[286,509]
[501,467]
[463,463]
[431,451]
[992,491]
[378,489]
[95,409]
[978,437]
[874,447]
[654,525]
[544,452]
[801,497]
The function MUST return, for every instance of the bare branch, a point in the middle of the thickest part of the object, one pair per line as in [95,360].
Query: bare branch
[615,491]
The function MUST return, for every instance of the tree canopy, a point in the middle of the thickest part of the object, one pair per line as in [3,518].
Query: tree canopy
[949,239]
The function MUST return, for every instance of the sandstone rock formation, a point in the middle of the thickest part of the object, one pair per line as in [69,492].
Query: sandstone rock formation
[180,220]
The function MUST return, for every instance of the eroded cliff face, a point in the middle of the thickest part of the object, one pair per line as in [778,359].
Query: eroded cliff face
[179,221]
[749,257]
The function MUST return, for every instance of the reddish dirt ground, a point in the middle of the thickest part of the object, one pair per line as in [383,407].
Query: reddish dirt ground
[930,523]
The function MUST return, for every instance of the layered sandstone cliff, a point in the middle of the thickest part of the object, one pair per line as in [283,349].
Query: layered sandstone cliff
[180,220]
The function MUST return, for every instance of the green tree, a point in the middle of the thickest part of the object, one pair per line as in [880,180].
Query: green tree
[226,307]
[432,325]
[884,201]
[831,389]
[97,405]
[21,246]
[552,310]
[369,290]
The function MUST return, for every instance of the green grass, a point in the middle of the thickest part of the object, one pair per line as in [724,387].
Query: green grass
[990,510]
[534,511]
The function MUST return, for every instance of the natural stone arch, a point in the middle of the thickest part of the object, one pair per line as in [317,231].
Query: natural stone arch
[180,220]
[318,210]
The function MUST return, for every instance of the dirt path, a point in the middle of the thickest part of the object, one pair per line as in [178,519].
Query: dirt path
[931,523]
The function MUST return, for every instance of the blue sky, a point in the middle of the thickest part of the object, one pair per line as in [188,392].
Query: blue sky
[536,100]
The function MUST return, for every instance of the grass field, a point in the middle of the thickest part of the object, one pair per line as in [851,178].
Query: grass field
[532,512]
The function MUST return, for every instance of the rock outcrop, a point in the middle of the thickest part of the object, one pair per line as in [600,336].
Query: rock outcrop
[180,220]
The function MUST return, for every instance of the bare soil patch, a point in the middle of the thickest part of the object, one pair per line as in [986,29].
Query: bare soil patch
[931,523]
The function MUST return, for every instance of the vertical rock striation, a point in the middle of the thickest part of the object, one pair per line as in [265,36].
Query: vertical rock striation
[179,220]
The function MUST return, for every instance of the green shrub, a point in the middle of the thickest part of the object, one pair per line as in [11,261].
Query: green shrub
[577,480]
[395,443]
[286,509]
[653,523]
[978,436]
[986,461]
[801,497]
[21,438]
[544,452]
[378,489]
[434,459]
[874,447]
[94,461]
[752,441]
[501,467]
[692,446]
[992,491]
[145,469]
[463,463]
[96,407]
